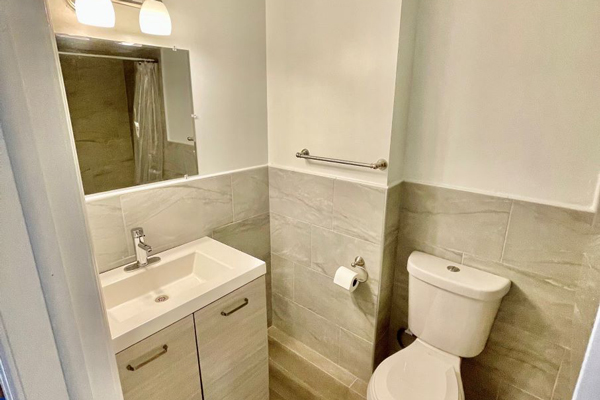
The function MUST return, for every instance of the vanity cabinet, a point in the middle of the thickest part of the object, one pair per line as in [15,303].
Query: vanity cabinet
[225,343]
[232,344]
[162,366]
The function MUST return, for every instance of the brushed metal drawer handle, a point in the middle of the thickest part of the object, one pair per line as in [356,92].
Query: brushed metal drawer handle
[161,351]
[227,313]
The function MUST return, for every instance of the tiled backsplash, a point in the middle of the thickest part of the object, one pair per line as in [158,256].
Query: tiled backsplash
[233,208]
[537,343]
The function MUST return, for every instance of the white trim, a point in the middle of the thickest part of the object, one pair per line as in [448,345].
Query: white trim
[594,207]
[395,183]
[29,364]
[331,176]
[171,182]
[596,201]
[41,149]
[591,209]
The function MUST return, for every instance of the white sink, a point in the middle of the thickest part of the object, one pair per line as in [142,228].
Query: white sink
[191,276]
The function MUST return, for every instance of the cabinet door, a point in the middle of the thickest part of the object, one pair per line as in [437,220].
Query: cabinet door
[232,343]
[163,366]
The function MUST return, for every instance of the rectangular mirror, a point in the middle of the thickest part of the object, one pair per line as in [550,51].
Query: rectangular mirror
[131,111]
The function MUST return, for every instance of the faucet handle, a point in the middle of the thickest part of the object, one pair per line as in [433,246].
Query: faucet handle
[137,233]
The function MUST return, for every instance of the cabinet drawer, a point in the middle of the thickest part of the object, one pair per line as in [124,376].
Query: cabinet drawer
[232,343]
[163,366]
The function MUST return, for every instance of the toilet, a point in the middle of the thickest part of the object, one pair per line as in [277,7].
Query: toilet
[451,311]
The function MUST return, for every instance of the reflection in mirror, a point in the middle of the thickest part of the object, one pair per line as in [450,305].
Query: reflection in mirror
[131,112]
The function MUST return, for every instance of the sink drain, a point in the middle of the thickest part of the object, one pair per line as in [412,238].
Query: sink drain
[161,299]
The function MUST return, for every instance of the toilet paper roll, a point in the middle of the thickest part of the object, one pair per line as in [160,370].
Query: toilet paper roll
[346,278]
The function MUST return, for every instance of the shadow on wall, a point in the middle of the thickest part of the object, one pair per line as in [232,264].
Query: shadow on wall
[536,346]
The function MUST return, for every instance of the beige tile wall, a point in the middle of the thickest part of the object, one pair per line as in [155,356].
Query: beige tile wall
[318,224]
[306,226]
[551,256]
[233,208]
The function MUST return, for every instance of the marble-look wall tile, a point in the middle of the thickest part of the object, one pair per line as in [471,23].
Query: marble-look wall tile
[356,355]
[398,314]
[521,359]
[353,311]
[543,323]
[108,234]
[393,207]
[308,327]
[173,215]
[359,210]
[587,298]
[533,304]
[386,287]
[250,236]
[455,220]
[282,272]
[547,240]
[330,250]
[290,239]
[250,193]
[305,197]
[565,384]
[478,383]
[509,392]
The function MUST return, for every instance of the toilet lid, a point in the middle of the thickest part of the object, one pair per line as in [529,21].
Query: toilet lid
[415,373]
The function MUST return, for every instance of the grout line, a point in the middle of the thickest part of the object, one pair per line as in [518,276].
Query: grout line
[510,213]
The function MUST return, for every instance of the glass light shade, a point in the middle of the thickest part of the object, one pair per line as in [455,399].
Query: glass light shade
[155,18]
[95,12]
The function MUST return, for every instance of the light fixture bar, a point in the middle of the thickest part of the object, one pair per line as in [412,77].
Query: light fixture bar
[69,53]
[129,3]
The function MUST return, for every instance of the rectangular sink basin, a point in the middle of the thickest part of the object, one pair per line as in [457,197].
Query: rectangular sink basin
[139,303]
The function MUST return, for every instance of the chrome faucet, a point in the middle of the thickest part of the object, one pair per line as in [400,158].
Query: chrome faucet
[142,250]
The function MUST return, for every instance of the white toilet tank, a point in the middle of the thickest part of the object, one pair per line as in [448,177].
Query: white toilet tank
[451,306]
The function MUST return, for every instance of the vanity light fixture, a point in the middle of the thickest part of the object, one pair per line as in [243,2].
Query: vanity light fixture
[99,13]
[155,18]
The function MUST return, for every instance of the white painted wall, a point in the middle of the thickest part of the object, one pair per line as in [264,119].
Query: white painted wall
[506,98]
[41,149]
[331,78]
[404,72]
[226,40]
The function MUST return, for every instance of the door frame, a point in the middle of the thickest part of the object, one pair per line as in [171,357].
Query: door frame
[43,169]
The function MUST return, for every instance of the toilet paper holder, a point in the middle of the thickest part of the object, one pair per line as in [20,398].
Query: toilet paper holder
[359,264]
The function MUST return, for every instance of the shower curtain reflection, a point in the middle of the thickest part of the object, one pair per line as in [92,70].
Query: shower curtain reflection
[149,127]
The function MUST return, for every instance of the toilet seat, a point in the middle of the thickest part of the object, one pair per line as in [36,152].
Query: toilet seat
[419,372]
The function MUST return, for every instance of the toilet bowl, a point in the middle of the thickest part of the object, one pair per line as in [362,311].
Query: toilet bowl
[419,372]
[451,309]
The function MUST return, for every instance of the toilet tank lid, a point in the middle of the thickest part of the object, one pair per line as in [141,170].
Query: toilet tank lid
[457,278]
